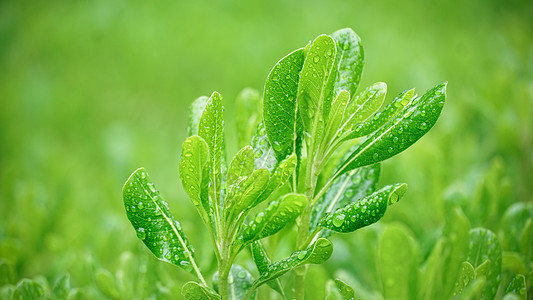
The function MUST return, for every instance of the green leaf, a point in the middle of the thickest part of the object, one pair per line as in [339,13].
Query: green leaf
[364,212]
[106,283]
[485,246]
[279,103]
[243,195]
[314,92]
[466,275]
[349,61]
[240,281]
[28,289]
[7,291]
[211,130]
[6,272]
[338,289]
[346,189]
[515,232]
[262,261]
[317,253]
[195,175]
[195,113]
[397,263]
[242,165]
[336,115]
[155,226]
[194,291]
[380,118]
[518,286]
[62,286]
[281,174]
[274,217]
[402,131]
[265,158]
[362,107]
[247,114]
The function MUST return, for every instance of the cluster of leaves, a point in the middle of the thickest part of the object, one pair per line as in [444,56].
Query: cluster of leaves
[313,159]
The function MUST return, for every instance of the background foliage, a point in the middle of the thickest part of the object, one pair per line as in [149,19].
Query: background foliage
[91,90]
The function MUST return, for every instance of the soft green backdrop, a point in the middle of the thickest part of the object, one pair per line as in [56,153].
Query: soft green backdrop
[91,90]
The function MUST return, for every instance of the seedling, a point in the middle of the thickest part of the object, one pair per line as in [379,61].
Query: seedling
[313,162]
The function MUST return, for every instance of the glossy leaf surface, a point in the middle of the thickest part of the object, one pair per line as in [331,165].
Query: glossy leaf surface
[155,226]
[364,212]
[211,130]
[402,131]
[265,158]
[466,275]
[195,113]
[362,106]
[484,246]
[274,217]
[380,118]
[244,193]
[314,93]
[242,165]
[61,287]
[339,290]
[346,189]
[279,103]
[517,286]
[349,61]
[281,174]
[194,291]
[194,173]
[240,281]
[317,253]
[262,261]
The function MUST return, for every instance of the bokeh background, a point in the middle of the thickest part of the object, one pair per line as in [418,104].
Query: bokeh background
[91,90]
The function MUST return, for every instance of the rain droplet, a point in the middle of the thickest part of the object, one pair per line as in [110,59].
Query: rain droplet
[301,254]
[316,59]
[338,220]
[141,233]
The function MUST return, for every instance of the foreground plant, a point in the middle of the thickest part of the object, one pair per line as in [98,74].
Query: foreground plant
[313,162]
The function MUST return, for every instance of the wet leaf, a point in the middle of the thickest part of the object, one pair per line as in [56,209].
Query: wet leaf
[346,189]
[413,122]
[349,61]
[466,275]
[107,284]
[336,114]
[314,92]
[361,107]
[518,286]
[317,253]
[195,175]
[265,158]
[379,119]
[338,289]
[364,212]
[243,194]
[211,130]
[247,114]
[484,246]
[242,165]
[279,103]
[28,289]
[195,113]
[281,174]
[240,281]
[262,261]
[271,220]
[155,226]
[194,291]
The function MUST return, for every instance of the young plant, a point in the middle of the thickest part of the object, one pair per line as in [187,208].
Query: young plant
[314,159]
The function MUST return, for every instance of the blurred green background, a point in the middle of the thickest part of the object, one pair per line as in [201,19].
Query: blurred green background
[91,90]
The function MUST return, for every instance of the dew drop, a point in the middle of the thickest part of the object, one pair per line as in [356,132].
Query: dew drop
[141,233]
[338,220]
[241,274]
[301,255]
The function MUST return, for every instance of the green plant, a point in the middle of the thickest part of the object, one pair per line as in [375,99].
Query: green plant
[314,159]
